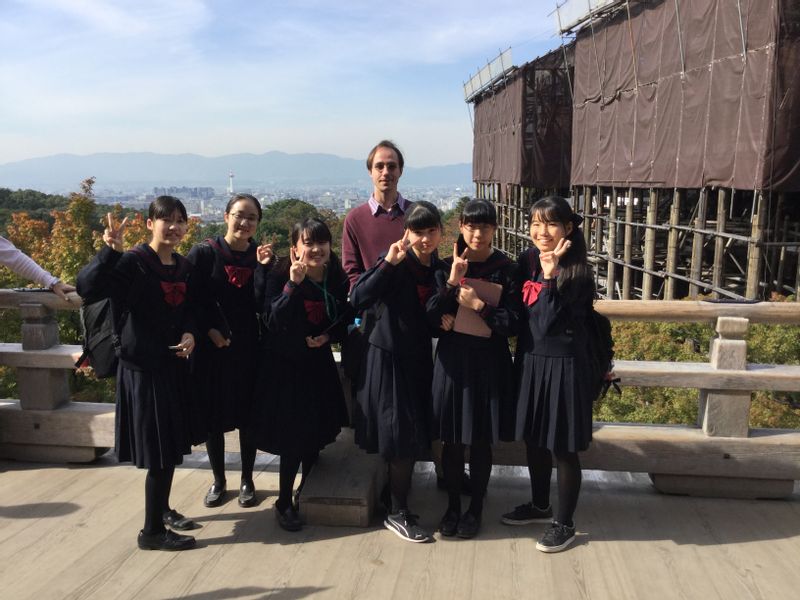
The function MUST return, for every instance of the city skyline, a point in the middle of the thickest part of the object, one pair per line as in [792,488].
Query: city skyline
[200,77]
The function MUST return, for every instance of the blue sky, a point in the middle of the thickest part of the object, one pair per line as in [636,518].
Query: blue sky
[214,77]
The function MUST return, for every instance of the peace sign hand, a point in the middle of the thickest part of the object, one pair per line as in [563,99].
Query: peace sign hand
[297,272]
[114,234]
[264,252]
[459,268]
[397,251]
[550,259]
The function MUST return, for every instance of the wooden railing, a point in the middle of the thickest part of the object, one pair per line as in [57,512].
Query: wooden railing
[721,455]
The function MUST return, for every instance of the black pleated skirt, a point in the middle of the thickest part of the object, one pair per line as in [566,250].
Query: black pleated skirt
[473,388]
[152,429]
[393,404]
[554,407]
[298,406]
[223,380]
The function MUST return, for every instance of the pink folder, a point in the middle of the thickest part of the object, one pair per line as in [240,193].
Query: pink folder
[467,320]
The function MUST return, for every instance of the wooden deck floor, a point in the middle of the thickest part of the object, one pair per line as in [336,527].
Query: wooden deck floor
[69,532]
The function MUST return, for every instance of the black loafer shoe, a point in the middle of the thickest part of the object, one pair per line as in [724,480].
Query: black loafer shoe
[215,495]
[176,520]
[247,494]
[288,519]
[448,526]
[168,540]
[468,526]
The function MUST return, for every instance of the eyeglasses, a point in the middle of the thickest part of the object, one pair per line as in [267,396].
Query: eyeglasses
[379,166]
[244,218]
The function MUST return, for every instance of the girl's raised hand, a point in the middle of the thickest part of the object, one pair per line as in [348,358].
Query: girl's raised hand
[114,234]
[397,251]
[265,253]
[549,260]
[459,268]
[297,272]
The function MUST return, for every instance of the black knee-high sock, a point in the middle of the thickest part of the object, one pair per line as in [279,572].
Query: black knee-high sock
[287,473]
[400,472]
[215,447]
[480,469]
[569,485]
[247,453]
[453,467]
[157,484]
[540,469]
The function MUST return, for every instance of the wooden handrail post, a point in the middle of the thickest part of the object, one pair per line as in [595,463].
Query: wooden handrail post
[40,388]
[727,413]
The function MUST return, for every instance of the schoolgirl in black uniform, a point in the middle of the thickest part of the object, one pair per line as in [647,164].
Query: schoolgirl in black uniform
[554,410]
[225,363]
[152,286]
[299,405]
[472,376]
[392,414]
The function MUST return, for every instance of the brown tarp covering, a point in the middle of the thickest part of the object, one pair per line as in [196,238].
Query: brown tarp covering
[523,126]
[667,98]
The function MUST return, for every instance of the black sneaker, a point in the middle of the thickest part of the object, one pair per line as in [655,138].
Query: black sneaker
[556,538]
[167,540]
[527,513]
[404,524]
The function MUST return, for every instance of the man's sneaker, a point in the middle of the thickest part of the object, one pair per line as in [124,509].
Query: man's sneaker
[556,538]
[528,513]
[404,524]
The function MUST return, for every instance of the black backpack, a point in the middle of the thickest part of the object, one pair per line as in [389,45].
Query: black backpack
[600,346]
[101,341]
[100,329]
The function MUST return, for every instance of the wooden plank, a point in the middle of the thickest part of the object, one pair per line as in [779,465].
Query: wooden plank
[777,313]
[673,449]
[13,298]
[86,424]
[784,378]
[62,356]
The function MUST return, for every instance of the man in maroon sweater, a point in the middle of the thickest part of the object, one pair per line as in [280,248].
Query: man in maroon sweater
[371,228]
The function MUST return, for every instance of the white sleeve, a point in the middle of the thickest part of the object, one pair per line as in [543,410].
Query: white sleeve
[23,265]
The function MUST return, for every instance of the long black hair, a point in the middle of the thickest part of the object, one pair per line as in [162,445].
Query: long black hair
[477,211]
[575,278]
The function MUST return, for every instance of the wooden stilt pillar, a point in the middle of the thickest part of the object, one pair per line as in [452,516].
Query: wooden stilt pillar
[754,252]
[587,212]
[650,245]
[697,244]
[782,257]
[627,252]
[672,244]
[718,273]
[611,247]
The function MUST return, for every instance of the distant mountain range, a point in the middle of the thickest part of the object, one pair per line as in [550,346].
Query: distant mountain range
[142,170]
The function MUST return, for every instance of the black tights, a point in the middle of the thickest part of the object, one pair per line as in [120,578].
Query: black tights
[400,472]
[287,473]
[480,468]
[157,486]
[540,467]
[215,446]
